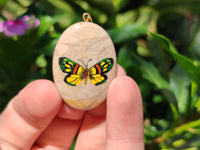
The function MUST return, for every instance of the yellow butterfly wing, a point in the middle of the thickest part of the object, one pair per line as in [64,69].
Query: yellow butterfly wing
[97,72]
[74,71]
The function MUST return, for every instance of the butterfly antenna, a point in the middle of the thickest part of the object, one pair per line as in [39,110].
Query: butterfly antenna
[88,62]
[82,62]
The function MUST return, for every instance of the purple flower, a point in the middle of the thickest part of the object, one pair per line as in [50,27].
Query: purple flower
[18,27]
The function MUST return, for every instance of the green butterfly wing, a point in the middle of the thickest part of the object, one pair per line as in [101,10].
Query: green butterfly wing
[73,70]
[97,72]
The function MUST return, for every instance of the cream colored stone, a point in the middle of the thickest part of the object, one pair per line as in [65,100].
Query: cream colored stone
[83,41]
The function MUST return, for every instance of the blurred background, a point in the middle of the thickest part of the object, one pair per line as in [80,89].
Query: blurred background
[157,42]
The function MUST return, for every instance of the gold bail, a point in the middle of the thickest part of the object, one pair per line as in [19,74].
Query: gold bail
[87,17]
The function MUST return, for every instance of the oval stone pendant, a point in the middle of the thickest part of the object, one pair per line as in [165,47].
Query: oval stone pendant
[84,64]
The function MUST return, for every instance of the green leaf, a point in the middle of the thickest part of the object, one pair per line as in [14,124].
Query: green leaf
[160,57]
[41,61]
[198,104]
[15,62]
[15,8]
[105,6]
[2,2]
[120,4]
[125,56]
[179,143]
[180,6]
[62,5]
[143,71]
[175,114]
[25,3]
[186,64]
[73,144]
[47,21]
[180,84]
[47,45]
[181,129]
[152,74]
[125,18]
[126,33]
[194,47]
[195,98]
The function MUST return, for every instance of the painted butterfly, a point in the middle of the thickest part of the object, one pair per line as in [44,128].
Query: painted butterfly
[76,73]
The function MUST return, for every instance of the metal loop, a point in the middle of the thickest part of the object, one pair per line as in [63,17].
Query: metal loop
[87,17]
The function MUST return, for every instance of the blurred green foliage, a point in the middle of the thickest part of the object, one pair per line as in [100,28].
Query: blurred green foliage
[157,43]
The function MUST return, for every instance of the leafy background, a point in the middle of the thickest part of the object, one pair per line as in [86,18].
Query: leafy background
[157,42]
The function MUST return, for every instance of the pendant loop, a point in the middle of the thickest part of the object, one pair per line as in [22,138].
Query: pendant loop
[87,17]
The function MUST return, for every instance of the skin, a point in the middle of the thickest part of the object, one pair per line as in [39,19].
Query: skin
[37,119]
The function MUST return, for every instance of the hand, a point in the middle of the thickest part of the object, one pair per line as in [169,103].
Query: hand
[37,119]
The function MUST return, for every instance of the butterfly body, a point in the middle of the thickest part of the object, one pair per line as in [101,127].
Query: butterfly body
[85,75]
[76,73]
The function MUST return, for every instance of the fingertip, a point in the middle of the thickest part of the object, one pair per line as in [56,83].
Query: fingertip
[29,113]
[124,93]
[124,84]
[39,100]
[120,71]
[124,114]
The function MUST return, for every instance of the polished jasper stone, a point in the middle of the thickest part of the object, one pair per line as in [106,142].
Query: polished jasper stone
[84,64]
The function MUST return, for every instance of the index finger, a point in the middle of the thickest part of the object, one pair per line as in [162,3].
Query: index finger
[124,115]
[29,113]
